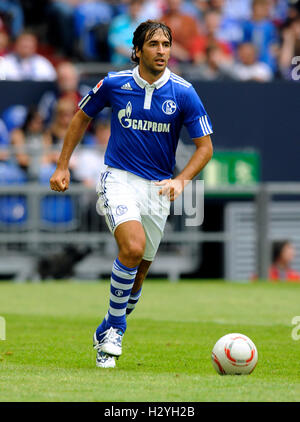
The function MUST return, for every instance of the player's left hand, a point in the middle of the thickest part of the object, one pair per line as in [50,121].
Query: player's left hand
[172,188]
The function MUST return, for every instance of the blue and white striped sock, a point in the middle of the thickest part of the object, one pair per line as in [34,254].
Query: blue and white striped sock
[101,328]
[122,279]
[133,300]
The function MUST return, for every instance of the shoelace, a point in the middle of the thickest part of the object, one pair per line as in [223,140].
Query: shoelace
[113,335]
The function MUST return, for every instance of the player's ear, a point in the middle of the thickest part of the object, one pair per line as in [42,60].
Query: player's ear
[138,53]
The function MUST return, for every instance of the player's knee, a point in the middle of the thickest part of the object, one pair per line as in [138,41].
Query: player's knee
[134,250]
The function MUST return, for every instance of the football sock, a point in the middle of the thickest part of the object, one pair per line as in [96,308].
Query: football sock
[122,279]
[133,300]
[102,327]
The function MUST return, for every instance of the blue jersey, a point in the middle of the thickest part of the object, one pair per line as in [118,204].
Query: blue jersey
[146,120]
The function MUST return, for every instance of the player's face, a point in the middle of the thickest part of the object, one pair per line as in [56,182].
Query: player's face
[155,53]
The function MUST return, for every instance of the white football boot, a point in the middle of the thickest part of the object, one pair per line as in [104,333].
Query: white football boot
[108,348]
[111,342]
[103,360]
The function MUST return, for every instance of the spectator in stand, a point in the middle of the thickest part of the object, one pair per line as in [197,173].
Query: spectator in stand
[13,16]
[260,31]
[2,26]
[89,160]
[234,9]
[293,9]
[283,256]
[4,147]
[67,86]
[212,21]
[121,33]
[236,12]
[197,8]
[64,111]
[60,24]
[241,10]
[233,13]
[88,15]
[248,68]
[88,164]
[279,11]
[4,43]
[4,154]
[25,64]
[4,138]
[290,48]
[29,142]
[194,8]
[151,9]
[14,116]
[184,30]
[213,68]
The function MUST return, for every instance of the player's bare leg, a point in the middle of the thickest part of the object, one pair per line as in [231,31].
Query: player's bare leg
[141,275]
[137,287]
[131,239]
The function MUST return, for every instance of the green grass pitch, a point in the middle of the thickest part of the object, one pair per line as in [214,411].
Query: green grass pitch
[48,354]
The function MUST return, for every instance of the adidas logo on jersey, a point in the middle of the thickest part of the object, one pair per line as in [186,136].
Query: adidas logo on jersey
[126,86]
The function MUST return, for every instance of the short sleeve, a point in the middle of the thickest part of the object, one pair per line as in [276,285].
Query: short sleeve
[96,99]
[196,119]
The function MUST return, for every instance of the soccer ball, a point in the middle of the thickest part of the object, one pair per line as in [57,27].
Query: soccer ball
[234,354]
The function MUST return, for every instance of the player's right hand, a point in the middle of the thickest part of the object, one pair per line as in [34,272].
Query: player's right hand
[60,180]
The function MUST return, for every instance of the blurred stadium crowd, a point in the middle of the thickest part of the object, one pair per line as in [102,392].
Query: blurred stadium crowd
[239,39]
[213,40]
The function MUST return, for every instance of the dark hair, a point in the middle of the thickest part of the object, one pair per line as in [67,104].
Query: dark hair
[31,113]
[256,2]
[277,249]
[211,47]
[26,32]
[144,32]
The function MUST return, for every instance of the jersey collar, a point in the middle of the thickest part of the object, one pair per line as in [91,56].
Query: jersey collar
[157,84]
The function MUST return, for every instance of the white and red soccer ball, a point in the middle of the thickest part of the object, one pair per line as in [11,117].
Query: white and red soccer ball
[234,354]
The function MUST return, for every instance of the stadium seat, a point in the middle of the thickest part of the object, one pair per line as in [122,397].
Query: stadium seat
[13,208]
[56,211]
[14,116]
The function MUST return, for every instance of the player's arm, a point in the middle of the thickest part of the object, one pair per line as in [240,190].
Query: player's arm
[204,151]
[202,155]
[61,177]
[199,127]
